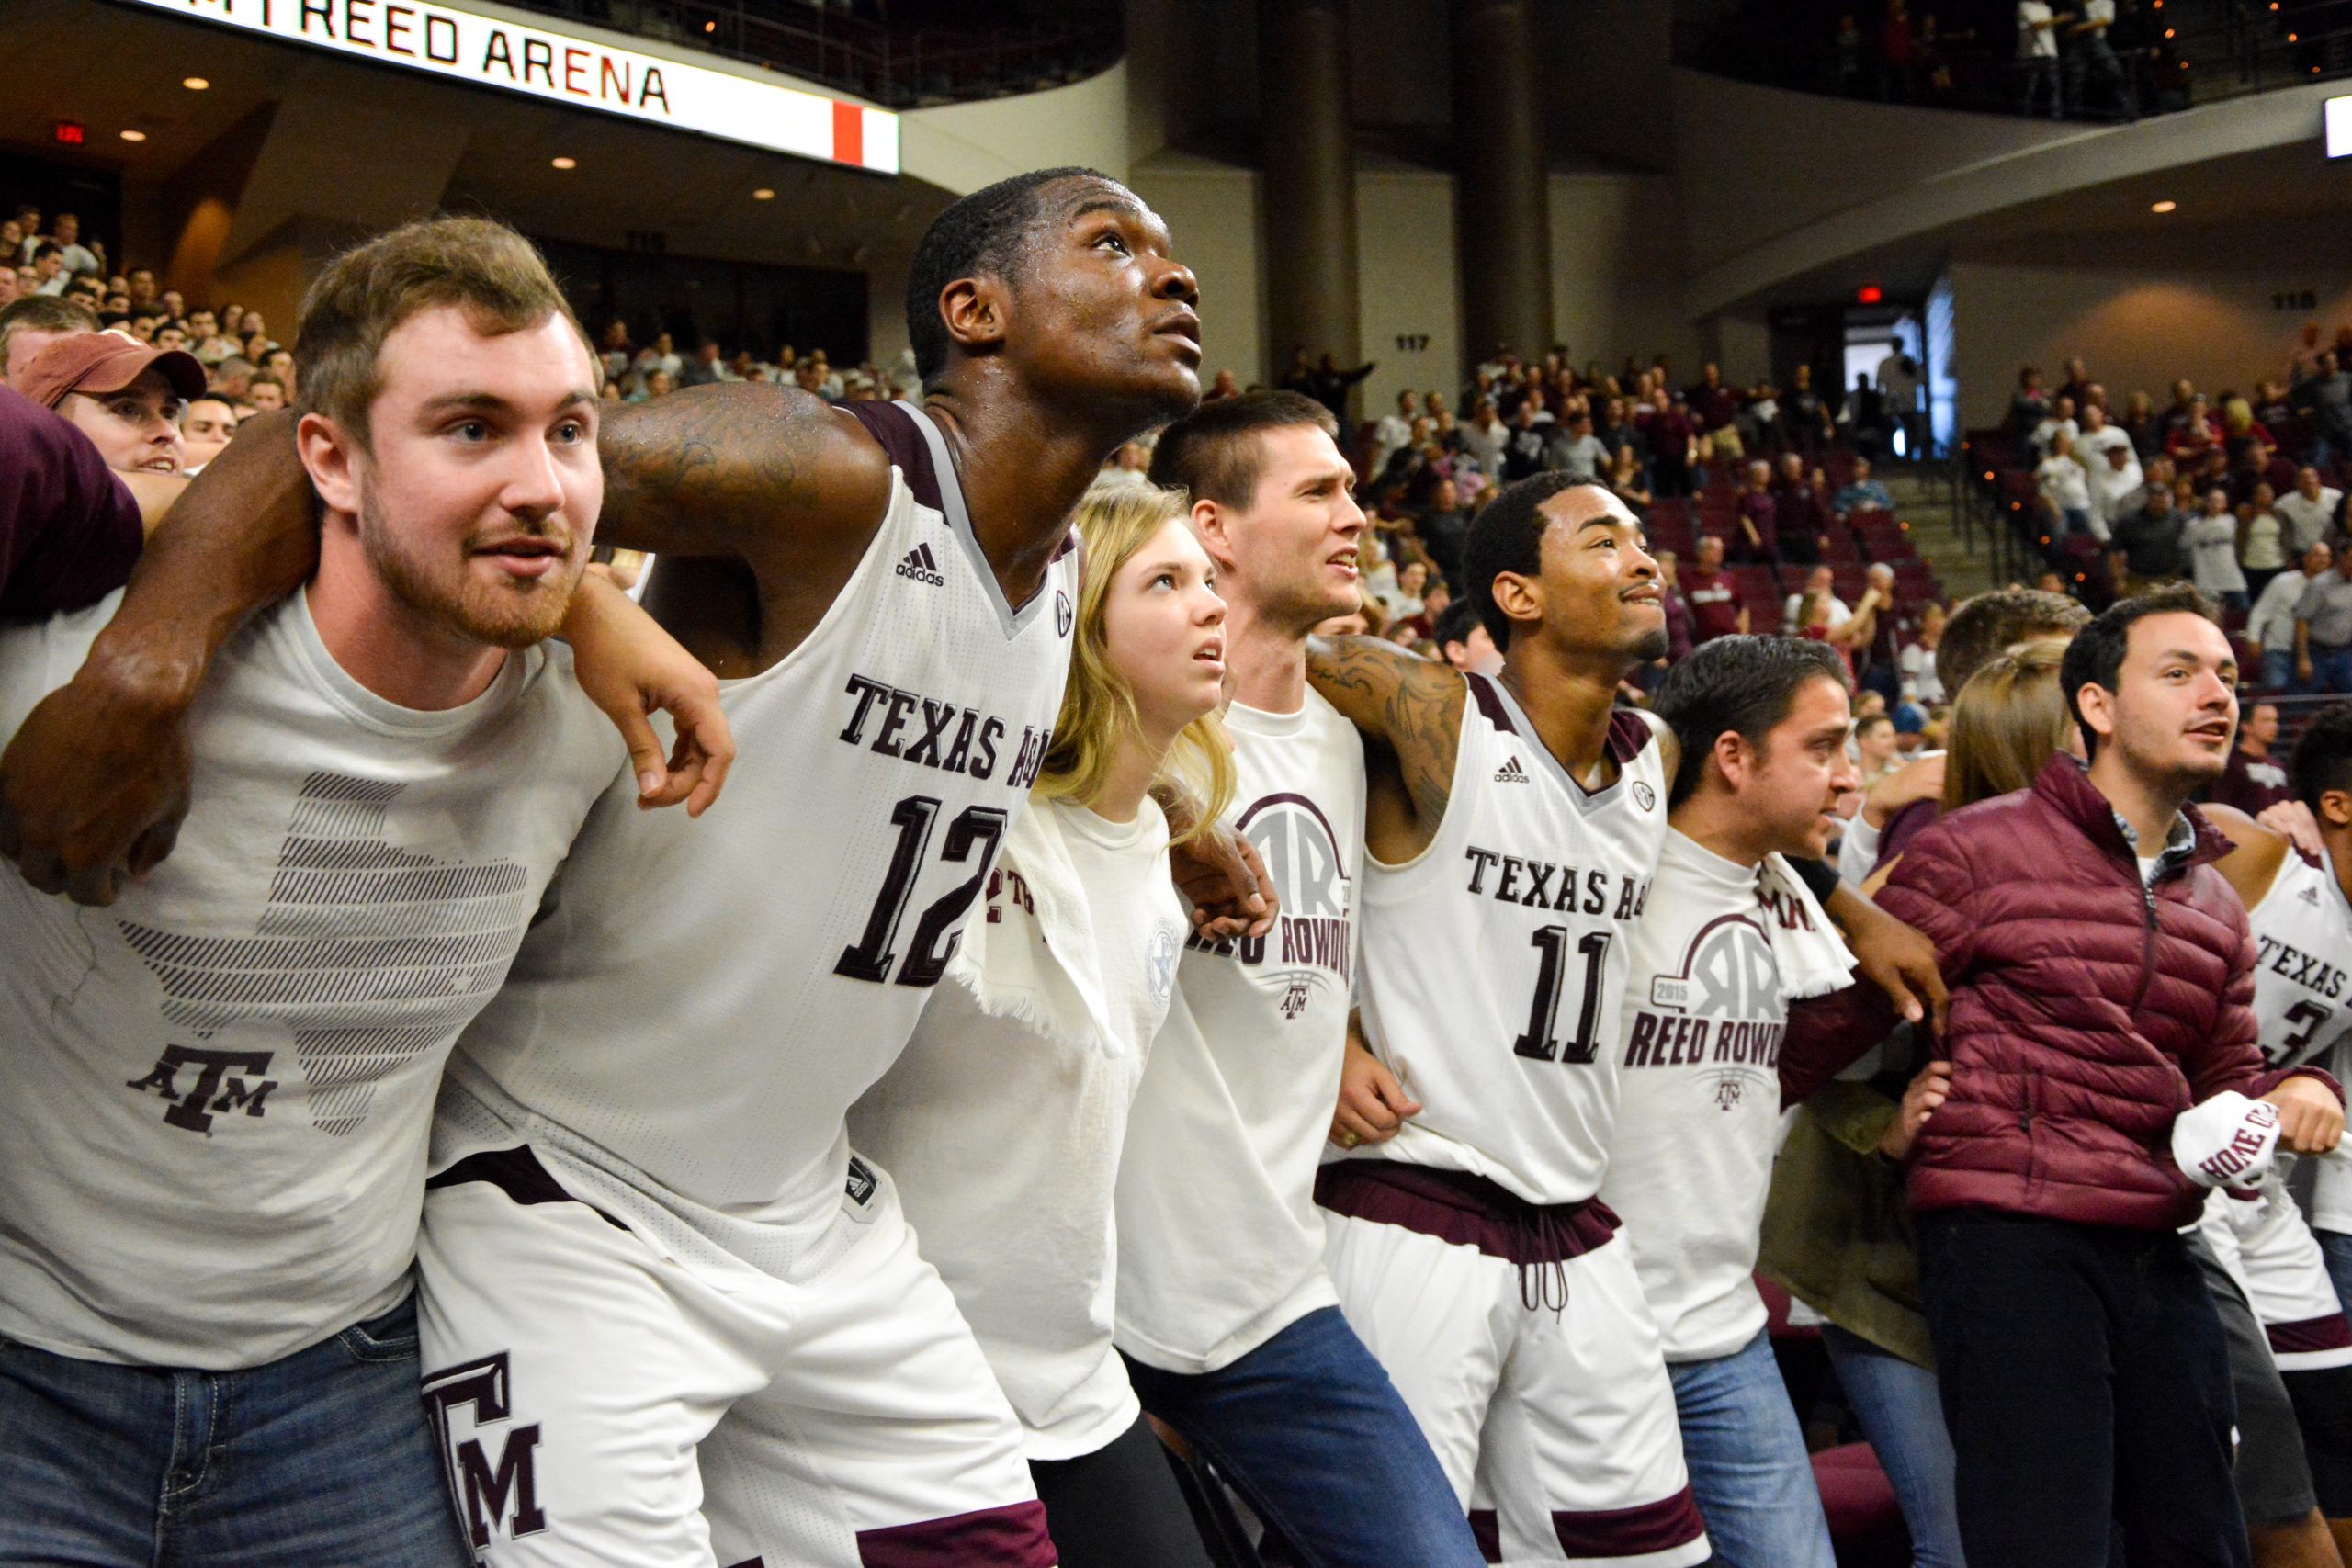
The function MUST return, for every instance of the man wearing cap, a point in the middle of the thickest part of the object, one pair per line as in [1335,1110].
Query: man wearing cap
[124,395]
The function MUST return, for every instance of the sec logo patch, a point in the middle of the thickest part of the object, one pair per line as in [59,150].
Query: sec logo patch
[1061,612]
[1644,796]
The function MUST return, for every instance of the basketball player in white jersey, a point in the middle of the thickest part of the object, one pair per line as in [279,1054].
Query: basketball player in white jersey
[1228,1322]
[2302,918]
[1728,939]
[1513,827]
[216,1098]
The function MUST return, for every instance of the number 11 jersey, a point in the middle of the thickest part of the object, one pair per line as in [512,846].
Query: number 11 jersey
[1495,962]
[686,1028]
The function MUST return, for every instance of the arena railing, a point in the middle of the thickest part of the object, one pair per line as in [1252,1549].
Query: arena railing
[898,67]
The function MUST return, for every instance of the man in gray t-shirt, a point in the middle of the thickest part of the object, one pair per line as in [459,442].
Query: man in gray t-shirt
[2323,631]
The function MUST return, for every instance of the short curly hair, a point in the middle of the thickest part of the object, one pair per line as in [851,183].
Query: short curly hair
[985,231]
[2322,759]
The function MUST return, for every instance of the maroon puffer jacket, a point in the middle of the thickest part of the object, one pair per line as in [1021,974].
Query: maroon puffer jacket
[2086,1011]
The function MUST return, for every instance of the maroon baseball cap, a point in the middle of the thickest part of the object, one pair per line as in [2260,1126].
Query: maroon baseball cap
[99,363]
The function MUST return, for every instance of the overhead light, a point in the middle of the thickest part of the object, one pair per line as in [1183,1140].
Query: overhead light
[194,83]
[564,163]
[2164,206]
[764,194]
[134,136]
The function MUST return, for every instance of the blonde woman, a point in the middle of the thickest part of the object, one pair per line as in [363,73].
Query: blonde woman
[1002,1122]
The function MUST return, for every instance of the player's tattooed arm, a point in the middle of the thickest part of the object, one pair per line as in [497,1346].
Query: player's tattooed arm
[1410,710]
[771,475]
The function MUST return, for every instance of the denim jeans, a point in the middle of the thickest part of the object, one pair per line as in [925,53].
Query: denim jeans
[1749,1466]
[323,1457]
[2331,670]
[1903,1416]
[2337,1247]
[2278,669]
[1310,1431]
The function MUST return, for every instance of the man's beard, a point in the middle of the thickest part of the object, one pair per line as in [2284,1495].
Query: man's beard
[1651,646]
[516,613]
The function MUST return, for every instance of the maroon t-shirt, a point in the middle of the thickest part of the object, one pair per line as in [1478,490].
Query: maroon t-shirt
[68,529]
[2252,786]
[1714,604]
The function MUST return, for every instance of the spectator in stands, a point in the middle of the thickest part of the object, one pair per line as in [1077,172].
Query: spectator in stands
[140,283]
[206,425]
[1918,660]
[2193,435]
[2141,424]
[2063,484]
[1462,642]
[2270,626]
[2148,550]
[1715,607]
[1803,512]
[124,397]
[1412,578]
[2115,487]
[1821,581]
[265,393]
[50,275]
[1756,536]
[2254,783]
[2095,73]
[660,383]
[1811,425]
[78,257]
[2211,538]
[2324,630]
[1669,432]
[2059,421]
[1681,629]
[613,353]
[2310,512]
[661,355]
[30,326]
[704,369]
[1394,429]
[2262,538]
[2246,440]
[1896,59]
[1576,451]
[2038,57]
[1625,479]
[2029,405]
[2325,398]
[1861,492]
[1524,454]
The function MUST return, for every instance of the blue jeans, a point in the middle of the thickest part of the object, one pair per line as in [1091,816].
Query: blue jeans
[1310,1431]
[2331,670]
[2278,669]
[2337,1247]
[323,1457]
[1749,1466]
[1902,1414]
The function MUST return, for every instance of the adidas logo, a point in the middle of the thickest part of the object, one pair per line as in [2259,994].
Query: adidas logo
[1511,772]
[920,566]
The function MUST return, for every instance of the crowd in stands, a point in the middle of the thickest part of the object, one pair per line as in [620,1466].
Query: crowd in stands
[222,364]
[2239,492]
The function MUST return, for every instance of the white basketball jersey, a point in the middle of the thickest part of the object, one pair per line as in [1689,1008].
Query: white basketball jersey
[1495,962]
[2303,971]
[688,1026]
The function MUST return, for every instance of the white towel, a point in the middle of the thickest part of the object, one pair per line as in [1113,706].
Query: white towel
[1047,975]
[1811,954]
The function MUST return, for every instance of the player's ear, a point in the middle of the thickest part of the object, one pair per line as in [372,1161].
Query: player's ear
[2336,807]
[974,310]
[1521,598]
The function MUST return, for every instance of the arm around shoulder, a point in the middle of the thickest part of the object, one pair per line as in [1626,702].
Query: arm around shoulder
[771,475]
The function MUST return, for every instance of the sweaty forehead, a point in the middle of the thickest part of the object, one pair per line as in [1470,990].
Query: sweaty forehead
[1070,200]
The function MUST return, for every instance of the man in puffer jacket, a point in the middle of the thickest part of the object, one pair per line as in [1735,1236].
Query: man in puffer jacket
[2101,975]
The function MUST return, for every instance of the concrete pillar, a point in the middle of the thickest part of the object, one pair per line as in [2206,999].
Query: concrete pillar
[1503,217]
[1310,185]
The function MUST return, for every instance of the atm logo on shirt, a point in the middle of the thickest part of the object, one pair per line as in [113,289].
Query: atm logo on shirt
[1313,944]
[1720,1013]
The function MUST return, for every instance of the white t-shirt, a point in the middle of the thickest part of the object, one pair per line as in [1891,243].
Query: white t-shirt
[216,1095]
[1220,1243]
[1003,1132]
[1839,612]
[2213,554]
[2307,521]
[2032,41]
[1699,1106]
[2272,623]
[2065,483]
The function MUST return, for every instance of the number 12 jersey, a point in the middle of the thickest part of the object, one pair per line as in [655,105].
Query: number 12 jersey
[686,1027]
[1495,962]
